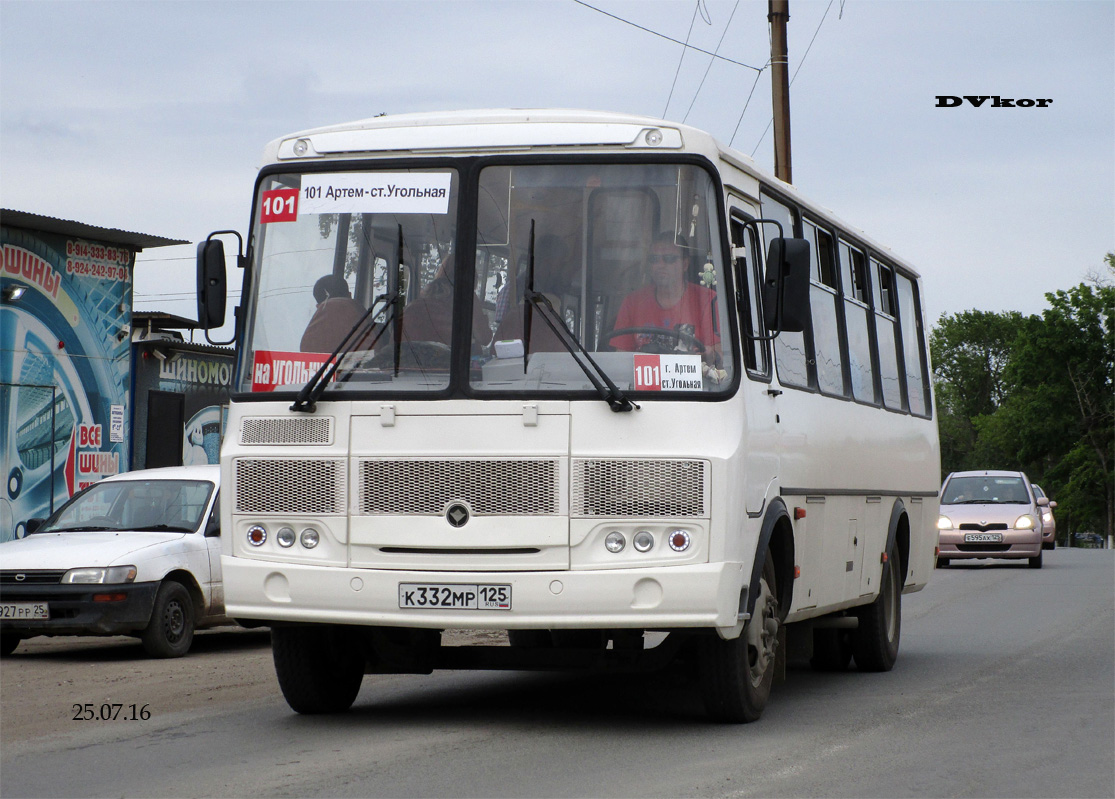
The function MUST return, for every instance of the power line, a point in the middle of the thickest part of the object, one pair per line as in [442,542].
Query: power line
[667,38]
[696,8]
[711,60]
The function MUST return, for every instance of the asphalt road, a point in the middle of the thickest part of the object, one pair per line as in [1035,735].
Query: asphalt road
[1005,686]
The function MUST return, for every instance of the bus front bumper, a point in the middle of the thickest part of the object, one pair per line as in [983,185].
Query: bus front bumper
[703,595]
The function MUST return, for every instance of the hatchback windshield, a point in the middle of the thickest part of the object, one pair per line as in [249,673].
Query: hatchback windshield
[622,260]
[985,491]
[134,505]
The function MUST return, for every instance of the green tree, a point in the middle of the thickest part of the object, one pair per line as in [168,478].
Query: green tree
[1037,394]
[1058,415]
[971,351]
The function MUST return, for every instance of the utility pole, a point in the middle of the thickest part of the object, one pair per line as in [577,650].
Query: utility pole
[778,14]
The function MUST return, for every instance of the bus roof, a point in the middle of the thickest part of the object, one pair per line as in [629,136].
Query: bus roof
[508,130]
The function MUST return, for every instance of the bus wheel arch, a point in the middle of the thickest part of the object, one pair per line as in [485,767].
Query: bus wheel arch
[876,640]
[776,540]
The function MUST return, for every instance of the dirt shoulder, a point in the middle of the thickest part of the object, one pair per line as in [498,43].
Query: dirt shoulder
[46,677]
[43,680]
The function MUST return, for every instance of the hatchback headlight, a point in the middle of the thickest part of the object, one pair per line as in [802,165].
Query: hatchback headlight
[112,575]
[1024,522]
[944,523]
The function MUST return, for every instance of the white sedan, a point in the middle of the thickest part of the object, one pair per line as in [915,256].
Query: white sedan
[138,553]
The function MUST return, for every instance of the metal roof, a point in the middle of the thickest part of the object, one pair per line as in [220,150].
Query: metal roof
[161,320]
[67,227]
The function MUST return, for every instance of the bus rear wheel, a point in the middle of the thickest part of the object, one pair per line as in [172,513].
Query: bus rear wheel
[875,641]
[319,668]
[737,674]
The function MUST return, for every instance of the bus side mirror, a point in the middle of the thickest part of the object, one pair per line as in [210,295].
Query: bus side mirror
[786,288]
[211,291]
[32,525]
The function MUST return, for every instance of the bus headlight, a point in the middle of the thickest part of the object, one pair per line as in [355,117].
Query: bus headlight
[944,523]
[615,542]
[643,541]
[285,537]
[309,538]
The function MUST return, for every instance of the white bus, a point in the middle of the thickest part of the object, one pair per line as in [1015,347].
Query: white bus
[589,378]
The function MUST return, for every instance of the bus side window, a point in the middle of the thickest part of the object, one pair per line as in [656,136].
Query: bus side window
[913,346]
[886,333]
[857,319]
[748,281]
[790,356]
[824,302]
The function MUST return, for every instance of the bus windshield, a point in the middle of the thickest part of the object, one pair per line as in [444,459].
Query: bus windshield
[618,260]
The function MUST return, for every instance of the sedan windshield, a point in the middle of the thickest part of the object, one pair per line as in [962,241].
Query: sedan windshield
[134,505]
[985,491]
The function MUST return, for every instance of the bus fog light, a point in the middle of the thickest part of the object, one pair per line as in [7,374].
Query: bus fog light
[615,542]
[643,541]
[257,534]
[309,538]
[679,540]
[285,537]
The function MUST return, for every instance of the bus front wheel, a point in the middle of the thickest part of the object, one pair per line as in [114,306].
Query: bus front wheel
[319,668]
[736,674]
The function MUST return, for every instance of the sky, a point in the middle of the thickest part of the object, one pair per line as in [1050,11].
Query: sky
[152,116]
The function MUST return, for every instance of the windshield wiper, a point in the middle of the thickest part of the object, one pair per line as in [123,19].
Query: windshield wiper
[306,401]
[163,528]
[603,384]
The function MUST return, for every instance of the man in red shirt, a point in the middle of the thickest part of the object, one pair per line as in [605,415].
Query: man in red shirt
[670,303]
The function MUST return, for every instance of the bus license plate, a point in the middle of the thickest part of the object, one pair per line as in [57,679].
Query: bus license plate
[454,596]
[23,611]
[983,538]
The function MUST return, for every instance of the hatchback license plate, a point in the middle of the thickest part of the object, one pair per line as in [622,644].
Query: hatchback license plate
[453,596]
[983,538]
[24,611]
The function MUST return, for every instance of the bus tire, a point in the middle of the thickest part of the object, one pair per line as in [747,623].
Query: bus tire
[170,632]
[8,643]
[875,641]
[832,649]
[319,668]
[737,674]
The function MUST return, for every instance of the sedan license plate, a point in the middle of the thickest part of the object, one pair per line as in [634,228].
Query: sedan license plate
[24,611]
[983,538]
[454,596]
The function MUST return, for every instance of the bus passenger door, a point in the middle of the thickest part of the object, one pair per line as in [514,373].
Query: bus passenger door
[761,403]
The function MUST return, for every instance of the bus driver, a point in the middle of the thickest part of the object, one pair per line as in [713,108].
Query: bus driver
[684,311]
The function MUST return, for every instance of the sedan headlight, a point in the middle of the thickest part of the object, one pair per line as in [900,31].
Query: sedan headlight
[111,575]
[944,523]
[1024,523]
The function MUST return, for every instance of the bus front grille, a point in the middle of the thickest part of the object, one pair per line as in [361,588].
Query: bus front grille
[497,487]
[287,485]
[286,430]
[654,488]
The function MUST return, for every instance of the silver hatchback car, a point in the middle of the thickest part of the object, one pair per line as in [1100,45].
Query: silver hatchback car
[990,514]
